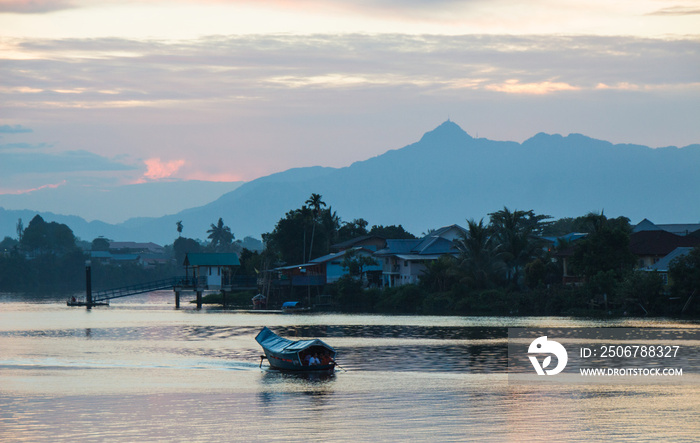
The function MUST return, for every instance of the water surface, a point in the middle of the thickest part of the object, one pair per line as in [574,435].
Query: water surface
[142,371]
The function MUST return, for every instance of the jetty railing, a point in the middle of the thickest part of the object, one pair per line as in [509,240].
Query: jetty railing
[141,288]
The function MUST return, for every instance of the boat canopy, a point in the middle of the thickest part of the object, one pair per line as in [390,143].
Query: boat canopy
[274,343]
[291,304]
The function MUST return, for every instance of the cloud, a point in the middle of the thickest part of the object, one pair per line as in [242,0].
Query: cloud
[24,146]
[18,163]
[677,10]
[235,69]
[16,129]
[38,188]
[157,169]
[35,6]
[513,86]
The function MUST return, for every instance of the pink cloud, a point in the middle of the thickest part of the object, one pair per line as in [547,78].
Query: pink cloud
[27,191]
[157,169]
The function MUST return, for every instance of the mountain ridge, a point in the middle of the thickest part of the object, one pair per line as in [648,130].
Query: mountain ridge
[449,176]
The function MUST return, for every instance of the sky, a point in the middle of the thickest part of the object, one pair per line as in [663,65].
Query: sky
[104,93]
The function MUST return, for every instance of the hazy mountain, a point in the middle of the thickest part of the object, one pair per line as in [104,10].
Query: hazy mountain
[115,204]
[448,177]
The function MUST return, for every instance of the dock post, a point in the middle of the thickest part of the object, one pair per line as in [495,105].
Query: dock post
[223,295]
[177,299]
[88,284]
[199,299]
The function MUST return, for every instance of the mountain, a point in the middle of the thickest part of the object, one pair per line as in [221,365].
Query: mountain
[449,176]
[115,204]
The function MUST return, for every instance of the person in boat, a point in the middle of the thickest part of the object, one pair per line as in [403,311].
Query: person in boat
[307,359]
[314,360]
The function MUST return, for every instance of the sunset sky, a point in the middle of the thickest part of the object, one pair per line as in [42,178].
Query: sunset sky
[100,93]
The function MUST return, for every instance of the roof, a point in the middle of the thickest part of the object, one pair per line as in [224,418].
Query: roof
[681,228]
[402,246]
[211,259]
[273,342]
[354,241]
[135,245]
[335,255]
[663,264]
[674,228]
[646,225]
[659,243]
[438,242]
[412,257]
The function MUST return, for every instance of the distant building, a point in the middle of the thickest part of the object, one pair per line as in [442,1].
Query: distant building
[681,229]
[663,265]
[212,270]
[404,261]
[650,246]
[130,247]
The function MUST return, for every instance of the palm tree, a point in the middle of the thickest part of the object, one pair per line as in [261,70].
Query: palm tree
[315,203]
[179,227]
[220,235]
[513,231]
[479,254]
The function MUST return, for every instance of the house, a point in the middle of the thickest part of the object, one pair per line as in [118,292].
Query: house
[650,246]
[681,229]
[323,270]
[662,266]
[108,258]
[212,270]
[332,264]
[130,247]
[403,261]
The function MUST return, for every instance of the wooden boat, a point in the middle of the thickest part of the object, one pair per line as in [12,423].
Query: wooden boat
[287,355]
[74,302]
[293,307]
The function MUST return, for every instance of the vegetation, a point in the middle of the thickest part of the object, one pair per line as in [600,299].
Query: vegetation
[500,268]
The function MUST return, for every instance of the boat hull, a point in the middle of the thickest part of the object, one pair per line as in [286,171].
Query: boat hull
[290,356]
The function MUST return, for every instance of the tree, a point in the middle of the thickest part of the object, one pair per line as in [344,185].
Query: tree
[184,245]
[479,255]
[179,227]
[439,274]
[48,237]
[288,241]
[315,203]
[684,274]
[7,244]
[392,232]
[606,248]
[220,235]
[353,229]
[20,229]
[514,232]
[100,244]
[355,262]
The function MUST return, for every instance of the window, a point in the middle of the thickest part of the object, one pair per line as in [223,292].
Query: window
[405,263]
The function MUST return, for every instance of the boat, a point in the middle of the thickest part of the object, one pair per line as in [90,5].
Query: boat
[293,356]
[74,302]
[293,307]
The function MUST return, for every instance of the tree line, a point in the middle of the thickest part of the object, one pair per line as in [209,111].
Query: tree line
[499,267]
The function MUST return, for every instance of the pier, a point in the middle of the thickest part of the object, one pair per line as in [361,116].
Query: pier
[177,284]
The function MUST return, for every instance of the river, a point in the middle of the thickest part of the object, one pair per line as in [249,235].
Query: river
[142,371]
